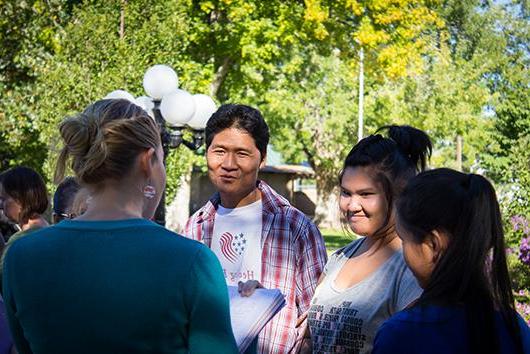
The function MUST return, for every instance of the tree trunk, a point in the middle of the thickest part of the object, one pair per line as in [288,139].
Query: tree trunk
[327,212]
[459,144]
[220,76]
[122,19]
[361,95]
[178,211]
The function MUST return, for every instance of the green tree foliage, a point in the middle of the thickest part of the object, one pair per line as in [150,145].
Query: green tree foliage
[313,100]
[313,113]
[230,49]
[107,46]
[453,67]
[29,35]
[447,99]
[495,37]
[392,33]
[507,158]
[244,42]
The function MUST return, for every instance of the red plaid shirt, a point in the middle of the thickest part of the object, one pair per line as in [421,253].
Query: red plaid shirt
[293,256]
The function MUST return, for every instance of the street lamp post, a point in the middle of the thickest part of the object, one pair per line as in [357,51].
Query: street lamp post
[174,110]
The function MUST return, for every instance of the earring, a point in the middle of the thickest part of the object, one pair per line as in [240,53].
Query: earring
[149,191]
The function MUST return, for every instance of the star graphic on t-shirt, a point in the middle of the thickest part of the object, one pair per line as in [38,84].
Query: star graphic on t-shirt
[239,243]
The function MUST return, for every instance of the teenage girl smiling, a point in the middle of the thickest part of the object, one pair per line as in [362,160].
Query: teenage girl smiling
[368,281]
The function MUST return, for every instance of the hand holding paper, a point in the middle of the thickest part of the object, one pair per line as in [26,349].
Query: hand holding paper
[250,314]
[247,288]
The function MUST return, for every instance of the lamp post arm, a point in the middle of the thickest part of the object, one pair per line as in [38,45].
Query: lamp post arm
[198,140]
[160,213]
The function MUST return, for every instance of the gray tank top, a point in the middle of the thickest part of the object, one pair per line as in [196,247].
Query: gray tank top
[346,320]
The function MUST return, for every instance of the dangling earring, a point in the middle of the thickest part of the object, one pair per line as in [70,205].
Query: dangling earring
[149,191]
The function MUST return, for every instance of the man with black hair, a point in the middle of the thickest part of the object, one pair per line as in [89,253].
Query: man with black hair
[259,238]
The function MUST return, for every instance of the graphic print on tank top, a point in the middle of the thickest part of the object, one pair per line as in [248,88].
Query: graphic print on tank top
[339,329]
[345,320]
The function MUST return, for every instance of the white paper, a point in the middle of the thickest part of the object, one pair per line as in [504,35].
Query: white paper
[250,314]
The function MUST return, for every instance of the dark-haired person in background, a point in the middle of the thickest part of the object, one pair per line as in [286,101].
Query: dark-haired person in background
[259,238]
[7,228]
[63,199]
[451,228]
[367,281]
[23,200]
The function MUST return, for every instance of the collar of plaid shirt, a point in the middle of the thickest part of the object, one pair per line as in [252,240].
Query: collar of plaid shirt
[272,202]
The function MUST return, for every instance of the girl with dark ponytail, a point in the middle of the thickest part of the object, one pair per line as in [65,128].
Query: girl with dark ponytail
[367,281]
[450,226]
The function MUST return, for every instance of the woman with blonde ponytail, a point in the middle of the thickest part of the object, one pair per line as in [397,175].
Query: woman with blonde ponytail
[111,281]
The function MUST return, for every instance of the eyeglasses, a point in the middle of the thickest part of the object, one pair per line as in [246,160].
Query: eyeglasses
[61,216]
[3,216]
[3,202]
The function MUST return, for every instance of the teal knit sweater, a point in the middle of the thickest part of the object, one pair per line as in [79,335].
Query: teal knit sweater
[127,286]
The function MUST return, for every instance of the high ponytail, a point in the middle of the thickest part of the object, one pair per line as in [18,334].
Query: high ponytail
[486,220]
[472,270]
[392,161]
[412,142]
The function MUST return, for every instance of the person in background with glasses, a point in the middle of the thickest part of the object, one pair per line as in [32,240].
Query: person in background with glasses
[63,199]
[7,228]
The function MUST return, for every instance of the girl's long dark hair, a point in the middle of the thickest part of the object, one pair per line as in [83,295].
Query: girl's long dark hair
[472,270]
[393,160]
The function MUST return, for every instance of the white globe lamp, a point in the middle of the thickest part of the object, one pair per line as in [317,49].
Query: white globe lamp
[120,94]
[147,104]
[177,108]
[159,80]
[204,108]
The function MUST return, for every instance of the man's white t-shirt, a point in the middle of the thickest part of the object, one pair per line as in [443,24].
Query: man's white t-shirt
[236,241]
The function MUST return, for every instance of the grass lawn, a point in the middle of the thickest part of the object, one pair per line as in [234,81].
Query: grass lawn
[336,239]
